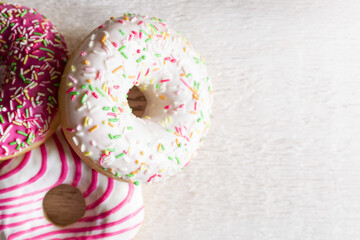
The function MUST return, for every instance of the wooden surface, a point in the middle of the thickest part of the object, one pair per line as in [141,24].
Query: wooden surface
[137,101]
[64,205]
[281,161]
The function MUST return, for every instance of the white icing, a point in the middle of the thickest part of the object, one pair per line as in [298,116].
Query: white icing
[161,143]
[13,227]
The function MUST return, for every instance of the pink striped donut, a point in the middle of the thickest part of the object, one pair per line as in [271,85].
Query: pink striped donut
[114,210]
[35,54]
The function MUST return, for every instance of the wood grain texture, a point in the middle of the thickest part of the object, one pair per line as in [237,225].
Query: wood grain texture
[281,160]
[64,205]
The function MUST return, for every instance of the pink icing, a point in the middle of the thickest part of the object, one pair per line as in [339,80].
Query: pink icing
[5,207]
[103,235]
[92,228]
[77,162]
[17,169]
[115,209]
[4,164]
[3,216]
[64,171]
[39,227]
[92,187]
[19,223]
[28,95]
[103,197]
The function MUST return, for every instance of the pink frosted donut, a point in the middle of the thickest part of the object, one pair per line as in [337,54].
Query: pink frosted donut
[35,54]
[114,210]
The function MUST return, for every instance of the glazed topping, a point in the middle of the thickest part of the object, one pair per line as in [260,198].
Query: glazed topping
[34,55]
[145,52]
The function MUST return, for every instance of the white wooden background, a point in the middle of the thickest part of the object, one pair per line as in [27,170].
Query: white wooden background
[282,159]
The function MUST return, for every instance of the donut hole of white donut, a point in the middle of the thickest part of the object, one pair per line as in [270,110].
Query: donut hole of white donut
[137,101]
[64,205]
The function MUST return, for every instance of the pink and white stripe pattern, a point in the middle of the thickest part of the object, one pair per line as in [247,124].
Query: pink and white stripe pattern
[114,210]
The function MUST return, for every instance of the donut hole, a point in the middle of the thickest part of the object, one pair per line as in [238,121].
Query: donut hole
[137,101]
[64,205]
[2,74]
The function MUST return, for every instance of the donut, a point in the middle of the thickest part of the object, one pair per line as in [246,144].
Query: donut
[114,210]
[98,122]
[34,55]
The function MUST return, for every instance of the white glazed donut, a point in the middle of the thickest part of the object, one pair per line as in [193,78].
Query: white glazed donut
[95,115]
[114,210]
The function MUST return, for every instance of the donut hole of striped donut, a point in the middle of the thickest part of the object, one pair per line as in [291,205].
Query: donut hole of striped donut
[64,205]
[137,101]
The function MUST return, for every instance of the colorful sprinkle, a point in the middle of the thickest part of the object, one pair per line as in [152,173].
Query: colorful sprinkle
[116,69]
[93,128]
